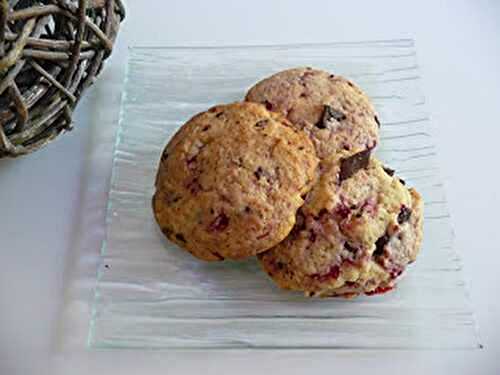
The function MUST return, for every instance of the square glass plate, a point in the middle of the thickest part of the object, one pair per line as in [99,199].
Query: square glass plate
[150,294]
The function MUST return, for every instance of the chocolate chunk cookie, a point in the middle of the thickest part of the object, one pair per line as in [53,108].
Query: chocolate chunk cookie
[356,233]
[335,113]
[231,180]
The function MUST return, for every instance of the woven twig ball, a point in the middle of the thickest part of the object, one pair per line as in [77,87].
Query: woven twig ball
[50,52]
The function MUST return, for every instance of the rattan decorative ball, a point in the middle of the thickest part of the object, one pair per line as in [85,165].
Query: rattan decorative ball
[50,52]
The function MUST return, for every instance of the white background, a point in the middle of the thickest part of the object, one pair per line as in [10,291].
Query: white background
[458,46]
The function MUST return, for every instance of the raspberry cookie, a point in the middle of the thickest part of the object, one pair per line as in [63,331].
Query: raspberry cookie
[231,180]
[358,230]
[334,112]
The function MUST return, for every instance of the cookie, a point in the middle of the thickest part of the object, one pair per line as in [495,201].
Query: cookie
[357,231]
[333,111]
[231,180]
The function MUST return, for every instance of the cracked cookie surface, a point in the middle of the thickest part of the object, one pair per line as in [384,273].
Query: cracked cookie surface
[231,180]
[333,111]
[357,231]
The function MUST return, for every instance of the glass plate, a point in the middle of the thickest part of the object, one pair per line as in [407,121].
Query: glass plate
[150,294]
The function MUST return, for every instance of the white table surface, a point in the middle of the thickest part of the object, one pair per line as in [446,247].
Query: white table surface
[458,45]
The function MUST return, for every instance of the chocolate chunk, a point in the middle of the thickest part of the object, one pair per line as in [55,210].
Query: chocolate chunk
[220,223]
[350,248]
[380,244]
[321,213]
[260,124]
[332,76]
[402,181]
[349,166]
[180,238]
[247,210]
[320,124]
[205,128]
[329,114]
[389,171]
[396,272]
[333,113]
[269,105]
[172,198]
[270,178]
[404,214]
[258,173]
[377,121]
[166,231]
[217,255]
[219,114]
[280,265]
[238,162]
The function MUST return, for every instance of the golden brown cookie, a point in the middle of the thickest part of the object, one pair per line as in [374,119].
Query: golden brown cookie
[231,180]
[358,230]
[335,113]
